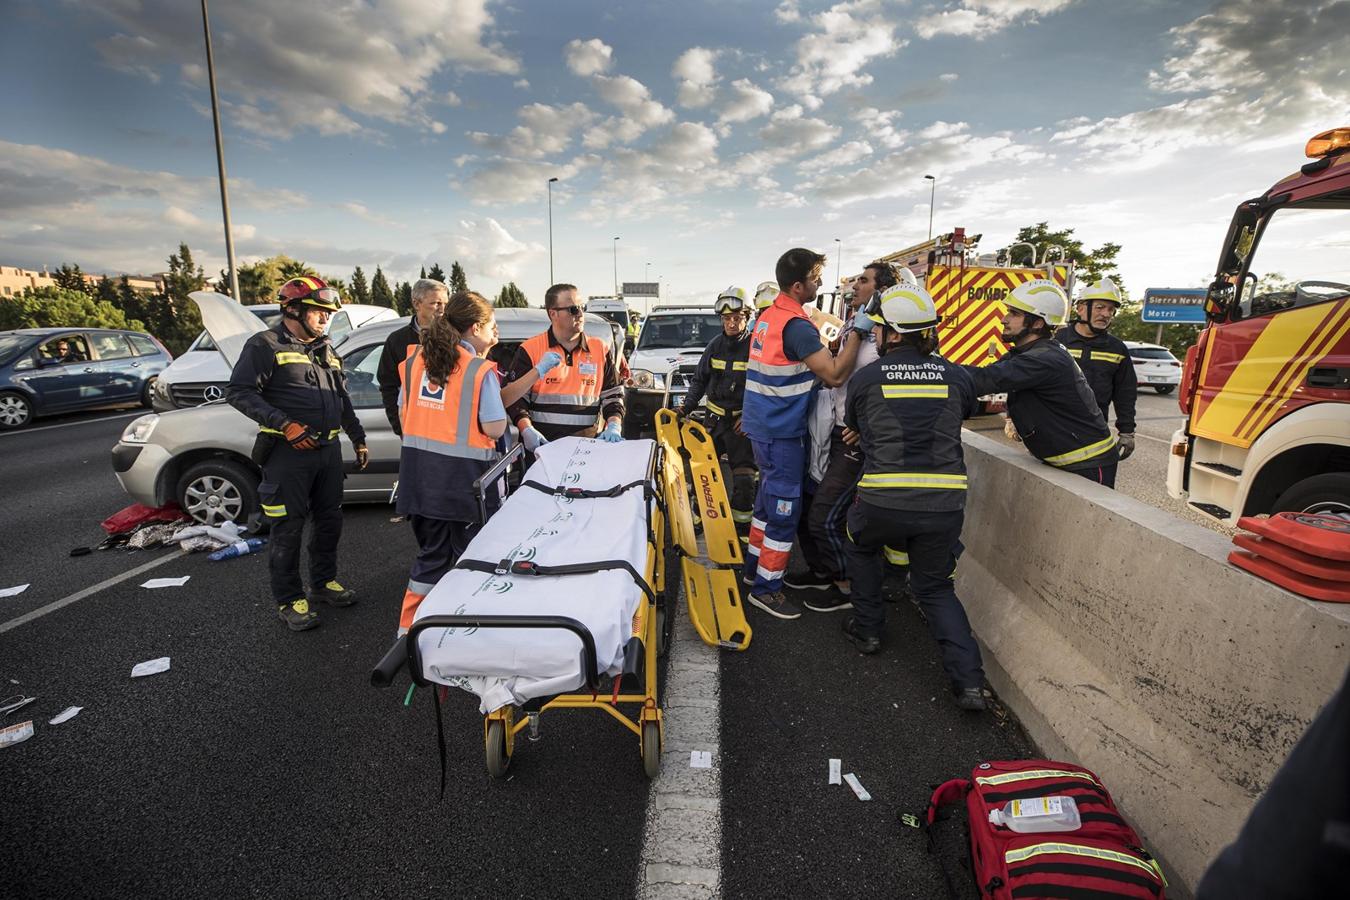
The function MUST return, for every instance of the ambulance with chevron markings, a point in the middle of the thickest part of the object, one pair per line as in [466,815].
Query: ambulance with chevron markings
[1266,388]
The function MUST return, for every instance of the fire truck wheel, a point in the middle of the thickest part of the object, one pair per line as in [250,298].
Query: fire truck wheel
[1328,493]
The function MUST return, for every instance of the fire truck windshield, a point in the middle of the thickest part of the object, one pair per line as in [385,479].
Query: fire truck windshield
[1303,257]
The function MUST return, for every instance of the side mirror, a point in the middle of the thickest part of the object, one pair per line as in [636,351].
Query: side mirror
[1219,299]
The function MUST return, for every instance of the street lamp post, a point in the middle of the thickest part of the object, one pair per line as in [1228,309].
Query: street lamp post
[932,195]
[550,230]
[616,268]
[646,272]
[220,158]
[838,263]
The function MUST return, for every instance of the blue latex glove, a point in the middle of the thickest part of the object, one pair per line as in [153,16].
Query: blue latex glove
[862,322]
[612,434]
[532,439]
[550,361]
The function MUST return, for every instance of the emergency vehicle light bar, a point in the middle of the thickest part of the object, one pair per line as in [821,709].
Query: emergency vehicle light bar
[1328,143]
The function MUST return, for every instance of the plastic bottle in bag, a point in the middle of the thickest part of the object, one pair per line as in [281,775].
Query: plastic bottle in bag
[1038,814]
[238,548]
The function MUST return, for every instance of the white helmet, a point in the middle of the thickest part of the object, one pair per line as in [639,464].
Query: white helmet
[1103,290]
[765,294]
[903,275]
[733,299]
[907,307]
[1041,297]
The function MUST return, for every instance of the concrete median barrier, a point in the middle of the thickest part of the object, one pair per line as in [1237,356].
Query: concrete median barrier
[1125,642]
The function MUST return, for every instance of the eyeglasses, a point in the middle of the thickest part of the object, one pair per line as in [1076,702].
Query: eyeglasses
[571,310]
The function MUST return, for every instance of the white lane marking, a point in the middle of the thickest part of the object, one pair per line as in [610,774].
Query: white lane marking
[18,431]
[1150,437]
[93,589]
[682,841]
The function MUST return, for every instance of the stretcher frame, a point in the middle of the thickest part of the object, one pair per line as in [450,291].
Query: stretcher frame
[637,683]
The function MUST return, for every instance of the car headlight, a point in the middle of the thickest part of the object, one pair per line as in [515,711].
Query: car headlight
[645,380]
[161,389]
[139,431]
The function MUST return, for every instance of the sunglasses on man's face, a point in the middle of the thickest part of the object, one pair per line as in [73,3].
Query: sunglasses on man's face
[570,310]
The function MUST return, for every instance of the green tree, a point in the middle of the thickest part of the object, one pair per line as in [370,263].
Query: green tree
[58,307]
[259,281]
[133,303]
[72,279]
[424,272]
[511,296]
[176,320]
[459,283]
[403,299]
[340,285]
[436,273]
[294,268]
[360,289]
[1092,265]
[380,292]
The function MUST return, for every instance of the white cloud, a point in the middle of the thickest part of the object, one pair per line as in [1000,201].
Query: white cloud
[505,182]
[633,99]
[787,11]
[586,58]
[981,18]
[835,54]
[746,102]
[843,155]
[697,77]
[543,130]
[485,248]
[939,130]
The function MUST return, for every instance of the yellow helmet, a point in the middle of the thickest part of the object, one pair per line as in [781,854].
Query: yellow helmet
[733,299]
[907,308]
[1103,290]
[765,294]
[1041,297]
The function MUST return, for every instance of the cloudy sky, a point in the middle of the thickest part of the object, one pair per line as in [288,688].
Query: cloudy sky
[709,135]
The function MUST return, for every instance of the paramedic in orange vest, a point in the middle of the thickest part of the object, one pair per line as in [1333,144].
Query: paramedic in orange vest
[451,410]
[787,363]
[572,398]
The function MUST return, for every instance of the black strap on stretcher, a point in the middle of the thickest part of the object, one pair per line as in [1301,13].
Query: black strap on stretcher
[584,494]
[530,568]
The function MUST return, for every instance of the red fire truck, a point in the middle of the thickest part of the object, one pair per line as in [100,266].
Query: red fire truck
[1266,388]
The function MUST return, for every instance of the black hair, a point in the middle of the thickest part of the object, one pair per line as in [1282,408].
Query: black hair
[554,290]
[796,265]
[883,274]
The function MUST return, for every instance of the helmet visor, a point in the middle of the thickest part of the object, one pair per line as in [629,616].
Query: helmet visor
[325,297]
[729,303]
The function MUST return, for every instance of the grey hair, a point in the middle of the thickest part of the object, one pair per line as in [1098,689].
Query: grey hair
[424,286]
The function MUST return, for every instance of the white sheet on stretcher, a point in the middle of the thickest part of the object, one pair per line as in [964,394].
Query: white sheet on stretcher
[513,665]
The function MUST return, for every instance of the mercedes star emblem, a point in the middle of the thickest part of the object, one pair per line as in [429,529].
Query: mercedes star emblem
[212,393]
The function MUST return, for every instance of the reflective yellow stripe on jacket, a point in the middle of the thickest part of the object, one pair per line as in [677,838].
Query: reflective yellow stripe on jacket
[913,480]
[929,391]
[1103,356]
[1083,453]
[722,364]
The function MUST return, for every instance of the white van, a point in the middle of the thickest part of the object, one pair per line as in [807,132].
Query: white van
[200,374]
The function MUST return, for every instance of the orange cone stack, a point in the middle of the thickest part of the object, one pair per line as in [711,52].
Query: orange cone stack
[1305,553]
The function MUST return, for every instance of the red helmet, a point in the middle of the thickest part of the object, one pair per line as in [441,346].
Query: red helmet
[310,291]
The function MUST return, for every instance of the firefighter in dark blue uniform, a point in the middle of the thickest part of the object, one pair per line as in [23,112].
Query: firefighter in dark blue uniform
[720,378]
[289,381]
[907,407]
[1050,403]
[1104,358]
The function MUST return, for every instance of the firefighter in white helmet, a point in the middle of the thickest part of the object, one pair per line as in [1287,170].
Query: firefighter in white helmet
[1049,401]
[1103,357]
[765,294]
[907,407]
[719,381]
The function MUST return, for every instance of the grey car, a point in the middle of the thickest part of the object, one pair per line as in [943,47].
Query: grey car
[199,457]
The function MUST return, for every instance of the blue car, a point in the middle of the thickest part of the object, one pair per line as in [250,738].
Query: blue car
[54,370]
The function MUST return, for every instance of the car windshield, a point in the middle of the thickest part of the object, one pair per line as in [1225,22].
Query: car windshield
[1298,260]
[685,330]
[11,345]
[269,318]
[614,315]
[1151,353]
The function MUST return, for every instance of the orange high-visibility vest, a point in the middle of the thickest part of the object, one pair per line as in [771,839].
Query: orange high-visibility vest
[777,389]
[568,398]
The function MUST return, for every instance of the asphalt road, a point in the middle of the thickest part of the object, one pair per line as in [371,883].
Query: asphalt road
[263,764]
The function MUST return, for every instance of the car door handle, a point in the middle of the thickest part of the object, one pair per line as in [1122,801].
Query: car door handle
[135,365]
[1329,377]
[89,369]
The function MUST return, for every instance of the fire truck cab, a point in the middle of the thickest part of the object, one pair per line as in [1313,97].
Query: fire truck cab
[1266,387]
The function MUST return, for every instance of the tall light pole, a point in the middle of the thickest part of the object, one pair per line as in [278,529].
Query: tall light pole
[220,158]
[838,264]
[616,268]
[550,231]
[932,194]
[646,271]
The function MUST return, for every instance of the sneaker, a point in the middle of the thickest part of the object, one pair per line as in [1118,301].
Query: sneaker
[333,594]
[297,615]
[865,644]
[831,601]
[776,604]
[808,581]
[971,699]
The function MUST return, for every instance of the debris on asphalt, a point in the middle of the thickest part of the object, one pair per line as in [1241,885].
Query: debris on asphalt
[18,701]
[66,715]
[81,551]
[700,759]
[148,536]
[150,667]
[397,519]
[166,582]
[132,517]
[15,734]
[859,791]
[909,819]
[836,766]
[208,537]
[13,591]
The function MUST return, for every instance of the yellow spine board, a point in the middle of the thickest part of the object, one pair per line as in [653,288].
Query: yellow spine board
[675,489]
[719,529]
[714,600]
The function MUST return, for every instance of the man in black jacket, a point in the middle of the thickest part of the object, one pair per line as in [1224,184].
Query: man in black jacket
[720,377]
[1049,401]
[1103,357]
[428,299]
[289,381]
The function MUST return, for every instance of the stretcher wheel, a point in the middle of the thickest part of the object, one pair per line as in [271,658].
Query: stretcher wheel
[498,757]
[651,748]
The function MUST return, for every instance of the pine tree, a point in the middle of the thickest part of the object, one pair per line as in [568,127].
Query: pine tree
[403,299]
[436,273]
[511,296]
[380,293]
[360,290]
[424,272]
[175,319]
[72,279]
[458,282]
[106,290]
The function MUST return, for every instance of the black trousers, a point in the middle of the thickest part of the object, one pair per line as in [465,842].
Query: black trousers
[826,520]
[933,542]
[740,457]
[299,485]
[1103,475]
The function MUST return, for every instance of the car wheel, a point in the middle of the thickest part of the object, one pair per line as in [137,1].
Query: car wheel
[1164,388]
[1328,494]
[218,491]
[148,392]
[16,410]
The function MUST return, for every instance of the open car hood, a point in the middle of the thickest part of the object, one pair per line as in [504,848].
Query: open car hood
[228,323]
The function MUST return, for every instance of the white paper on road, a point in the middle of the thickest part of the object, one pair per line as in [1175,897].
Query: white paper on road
[150,667]
[15,734]
[512,665]
[13,591]
[166,582]
[858,789]
[836,766]
[66,715]
[700,759]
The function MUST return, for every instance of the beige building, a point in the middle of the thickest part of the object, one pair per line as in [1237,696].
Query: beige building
[14,281]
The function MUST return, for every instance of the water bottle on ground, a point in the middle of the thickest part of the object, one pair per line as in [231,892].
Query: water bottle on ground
[238,548]
[1038,814]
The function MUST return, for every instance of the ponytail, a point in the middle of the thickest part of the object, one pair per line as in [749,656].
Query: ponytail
[440,340]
